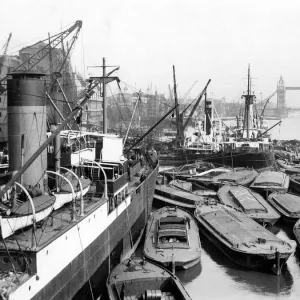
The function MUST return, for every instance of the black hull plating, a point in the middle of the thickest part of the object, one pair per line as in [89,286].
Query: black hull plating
[90,269]
[256,160]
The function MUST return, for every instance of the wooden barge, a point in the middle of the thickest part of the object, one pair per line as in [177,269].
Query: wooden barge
[173,196]
[248,202]
[172,238]
[137,279]
[295,184]
[243,240]
[238,176]
[270,181]
[288,168]
[287,204]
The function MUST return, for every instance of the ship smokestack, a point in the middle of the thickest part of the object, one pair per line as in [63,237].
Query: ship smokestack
[208,115]
[26,119]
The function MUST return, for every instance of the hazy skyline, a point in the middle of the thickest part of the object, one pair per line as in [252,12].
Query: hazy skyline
[203,39]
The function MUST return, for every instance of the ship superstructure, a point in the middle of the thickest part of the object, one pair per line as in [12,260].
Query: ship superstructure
[84,237]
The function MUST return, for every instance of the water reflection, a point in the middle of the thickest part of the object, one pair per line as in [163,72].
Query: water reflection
[221,278]
[256,282]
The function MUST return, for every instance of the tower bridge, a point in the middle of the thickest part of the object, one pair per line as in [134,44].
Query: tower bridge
[282,109]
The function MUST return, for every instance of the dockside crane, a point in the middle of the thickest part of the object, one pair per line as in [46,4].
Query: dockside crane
[195,106]
[54,41]
[4,48]
[267,101]
[188,91]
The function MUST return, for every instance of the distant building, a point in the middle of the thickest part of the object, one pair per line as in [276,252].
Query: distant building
[57,64]
[149,109]
[66,76]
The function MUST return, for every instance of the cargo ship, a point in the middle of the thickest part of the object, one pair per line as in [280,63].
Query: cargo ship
[81,241]
[248,144]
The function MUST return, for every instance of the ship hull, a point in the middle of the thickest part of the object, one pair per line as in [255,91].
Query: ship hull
[257,160]
[90,268]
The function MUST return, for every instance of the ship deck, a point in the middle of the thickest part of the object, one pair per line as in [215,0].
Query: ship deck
[57,223]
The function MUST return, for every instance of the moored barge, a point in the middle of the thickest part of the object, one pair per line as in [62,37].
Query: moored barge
[242,239]
[138,279]
[248,202]
[287,204]
[172,238]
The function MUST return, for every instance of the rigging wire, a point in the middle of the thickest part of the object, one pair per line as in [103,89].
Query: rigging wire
[35,95]
[121,116]
[83,67]
[129,113]
[147,95]
[37,40]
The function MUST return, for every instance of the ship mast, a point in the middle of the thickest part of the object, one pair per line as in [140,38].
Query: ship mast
[178,136]
[104,100]
[248,116]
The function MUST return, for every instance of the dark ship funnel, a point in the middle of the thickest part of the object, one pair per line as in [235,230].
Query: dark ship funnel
[208,115]
[26,119]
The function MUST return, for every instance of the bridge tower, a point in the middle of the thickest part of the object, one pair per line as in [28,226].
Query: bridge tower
[281,92]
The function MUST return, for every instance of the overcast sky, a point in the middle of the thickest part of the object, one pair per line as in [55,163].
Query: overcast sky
[203,39]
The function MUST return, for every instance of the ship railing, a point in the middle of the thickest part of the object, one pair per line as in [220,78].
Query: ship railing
[95,164]
[33,214]
[81,190]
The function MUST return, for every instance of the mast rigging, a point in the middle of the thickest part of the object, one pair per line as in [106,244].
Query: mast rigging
[55,40]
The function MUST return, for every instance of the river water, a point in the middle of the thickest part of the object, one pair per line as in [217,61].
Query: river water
[219,278]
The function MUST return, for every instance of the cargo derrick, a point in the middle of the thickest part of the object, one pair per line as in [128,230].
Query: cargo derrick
[5,46]
[54,40]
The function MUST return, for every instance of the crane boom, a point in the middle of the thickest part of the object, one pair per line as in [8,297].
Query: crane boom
[188,91]
[4,52]
[171,93]
[6,45]
[196,105]
[267,101]
[55,40]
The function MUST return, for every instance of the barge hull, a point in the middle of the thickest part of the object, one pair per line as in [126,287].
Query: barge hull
[255,262]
